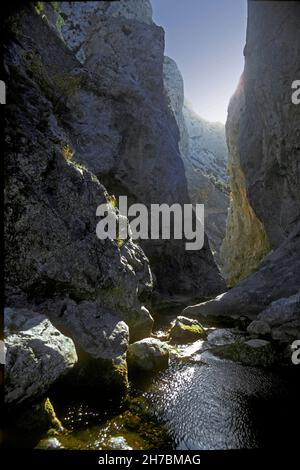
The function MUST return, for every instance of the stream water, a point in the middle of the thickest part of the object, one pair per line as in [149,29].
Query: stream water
[200,403]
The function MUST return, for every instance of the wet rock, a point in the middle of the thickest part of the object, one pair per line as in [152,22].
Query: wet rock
[37,354]
[50,443]
[221,337]
[149,354]
[117,443]
[254,352]
[281,320]
[186,330]
[259,328]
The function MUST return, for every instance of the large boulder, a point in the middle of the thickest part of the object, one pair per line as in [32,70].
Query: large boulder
[186,330]
[280,320]
[102,339]
[149,354]
[37,355]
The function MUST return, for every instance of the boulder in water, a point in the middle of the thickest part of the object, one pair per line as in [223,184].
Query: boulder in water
[149,354]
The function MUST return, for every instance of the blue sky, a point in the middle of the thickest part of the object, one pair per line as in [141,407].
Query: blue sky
[206,38]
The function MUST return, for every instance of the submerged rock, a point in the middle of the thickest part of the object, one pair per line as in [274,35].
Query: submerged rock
[254,352]
[37,354]
[149,354]
[186,330]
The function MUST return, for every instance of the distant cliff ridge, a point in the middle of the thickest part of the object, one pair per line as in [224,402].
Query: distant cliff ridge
[204,153]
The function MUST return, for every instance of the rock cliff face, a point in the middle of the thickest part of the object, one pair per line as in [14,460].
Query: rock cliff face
[86,107]
[133,148]
[263,136]
[246,242]
[54,263]
[204,153]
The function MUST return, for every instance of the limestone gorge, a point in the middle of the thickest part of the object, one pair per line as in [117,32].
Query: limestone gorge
[109,329]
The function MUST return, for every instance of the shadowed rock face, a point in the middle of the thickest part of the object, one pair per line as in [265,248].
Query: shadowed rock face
[69,128]
[204,153]
[263,132]
[54,263]
[127,135]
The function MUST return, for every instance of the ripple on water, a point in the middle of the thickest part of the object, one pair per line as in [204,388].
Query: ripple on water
[223,405]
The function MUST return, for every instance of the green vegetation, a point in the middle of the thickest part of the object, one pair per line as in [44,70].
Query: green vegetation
[193,329]
[111,199]
[59,20]
[67,152]
[250,356]
[39,7]
[57,86]
[55,422]
[119,241]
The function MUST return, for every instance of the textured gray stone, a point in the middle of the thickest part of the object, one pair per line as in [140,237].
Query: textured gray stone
[259,328]
[149,354]
[53,256]
[220,337]
[37,355]
[277,277]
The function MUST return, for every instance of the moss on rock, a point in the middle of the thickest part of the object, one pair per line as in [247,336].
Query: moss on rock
[186,330]
[250,353]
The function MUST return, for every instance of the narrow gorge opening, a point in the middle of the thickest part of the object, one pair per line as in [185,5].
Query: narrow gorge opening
[118,344]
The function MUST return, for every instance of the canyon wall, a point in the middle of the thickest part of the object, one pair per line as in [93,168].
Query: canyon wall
[87,117]
[263,132]
[125,132]
[204,154]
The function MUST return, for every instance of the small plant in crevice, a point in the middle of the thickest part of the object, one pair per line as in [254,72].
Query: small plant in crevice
[59,20]
[67,152]
[39,7]
[111,199]
[119,241]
